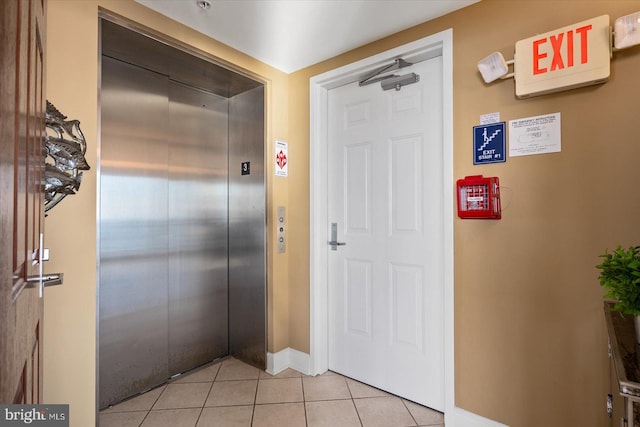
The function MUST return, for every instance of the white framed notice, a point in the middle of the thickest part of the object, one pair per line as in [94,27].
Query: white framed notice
[535,135]
[282,158]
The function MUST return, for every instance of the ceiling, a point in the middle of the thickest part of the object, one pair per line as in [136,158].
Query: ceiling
[293,34]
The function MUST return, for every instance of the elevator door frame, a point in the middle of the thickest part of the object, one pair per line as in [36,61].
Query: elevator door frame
[258,170]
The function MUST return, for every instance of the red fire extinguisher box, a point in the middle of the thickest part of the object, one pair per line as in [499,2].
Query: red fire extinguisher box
[479,197]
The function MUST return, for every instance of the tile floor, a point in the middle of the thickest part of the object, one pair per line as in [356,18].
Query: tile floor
[231,393]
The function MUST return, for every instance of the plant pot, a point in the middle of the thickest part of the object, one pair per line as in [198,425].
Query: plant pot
[636,321]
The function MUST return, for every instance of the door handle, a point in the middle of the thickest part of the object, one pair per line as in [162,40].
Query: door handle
[334,237]
[334,245]
[47,279]
[42,280]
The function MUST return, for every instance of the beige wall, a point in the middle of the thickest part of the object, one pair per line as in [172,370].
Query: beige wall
[72,85]
[530,341]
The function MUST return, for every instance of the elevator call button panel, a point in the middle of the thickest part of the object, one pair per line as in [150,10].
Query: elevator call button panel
[281,229]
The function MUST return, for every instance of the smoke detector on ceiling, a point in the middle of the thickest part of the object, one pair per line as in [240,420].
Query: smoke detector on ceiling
[204,4]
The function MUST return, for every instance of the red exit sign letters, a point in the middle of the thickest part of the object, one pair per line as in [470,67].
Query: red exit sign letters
[560,56]
[567,58]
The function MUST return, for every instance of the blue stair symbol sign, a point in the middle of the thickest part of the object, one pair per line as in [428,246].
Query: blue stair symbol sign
[489,143]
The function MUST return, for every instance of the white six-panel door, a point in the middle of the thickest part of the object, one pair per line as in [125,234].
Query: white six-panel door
[386,292]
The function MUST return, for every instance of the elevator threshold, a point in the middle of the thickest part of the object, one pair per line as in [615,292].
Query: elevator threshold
[197,368]
[172,379]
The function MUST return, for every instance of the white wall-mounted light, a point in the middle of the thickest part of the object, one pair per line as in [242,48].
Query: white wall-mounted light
[626,31]
[494,67]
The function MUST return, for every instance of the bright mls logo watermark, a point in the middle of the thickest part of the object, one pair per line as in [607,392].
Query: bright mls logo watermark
[34,415]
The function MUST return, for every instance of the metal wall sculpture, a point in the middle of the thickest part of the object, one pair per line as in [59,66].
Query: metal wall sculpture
[65,150]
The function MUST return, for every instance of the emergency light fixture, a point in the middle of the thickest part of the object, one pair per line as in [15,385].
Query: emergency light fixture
[566,58]
[626,31]
[494,67]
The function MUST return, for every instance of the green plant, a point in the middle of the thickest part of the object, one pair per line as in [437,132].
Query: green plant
[620,277]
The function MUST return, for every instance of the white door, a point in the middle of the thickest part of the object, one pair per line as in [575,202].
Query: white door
[386,293]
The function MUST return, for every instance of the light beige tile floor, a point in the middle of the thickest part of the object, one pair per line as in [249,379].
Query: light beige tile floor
[231,393]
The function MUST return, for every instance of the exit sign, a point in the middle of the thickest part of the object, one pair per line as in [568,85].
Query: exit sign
[570,57]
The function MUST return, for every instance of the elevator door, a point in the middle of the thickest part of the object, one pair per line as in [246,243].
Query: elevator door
[198,227]
[163,255]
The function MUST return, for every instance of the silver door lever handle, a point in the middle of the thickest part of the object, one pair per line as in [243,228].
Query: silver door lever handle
[47,279]
[334,237]
[334,245]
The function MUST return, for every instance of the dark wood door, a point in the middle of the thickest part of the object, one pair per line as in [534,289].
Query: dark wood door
[22,130]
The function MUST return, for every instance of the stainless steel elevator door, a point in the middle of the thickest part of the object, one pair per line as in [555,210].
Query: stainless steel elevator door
[182,231]
[133,303]
[247,237]
[198,227]
[163,230]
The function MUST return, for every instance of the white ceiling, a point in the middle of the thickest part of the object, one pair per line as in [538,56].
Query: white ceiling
[293,34]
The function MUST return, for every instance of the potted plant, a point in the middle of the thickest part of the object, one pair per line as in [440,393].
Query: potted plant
[620,277]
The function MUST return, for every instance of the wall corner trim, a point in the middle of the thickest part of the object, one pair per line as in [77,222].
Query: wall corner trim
[469,419]
[288,358]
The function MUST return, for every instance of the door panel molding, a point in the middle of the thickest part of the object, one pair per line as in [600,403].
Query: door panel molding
[440,44]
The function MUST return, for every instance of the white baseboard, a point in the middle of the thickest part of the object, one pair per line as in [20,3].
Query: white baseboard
[464,418]
[288,358]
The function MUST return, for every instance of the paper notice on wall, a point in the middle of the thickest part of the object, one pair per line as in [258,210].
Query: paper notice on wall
[535,135]
[486,119]
[282,158]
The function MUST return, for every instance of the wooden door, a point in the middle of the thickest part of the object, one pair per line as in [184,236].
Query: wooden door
[22,130]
